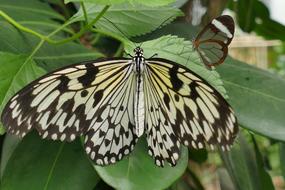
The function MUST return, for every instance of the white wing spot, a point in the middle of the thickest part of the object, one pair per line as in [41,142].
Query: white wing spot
[175,156]
[126,151]
[72,137]
[93,155]
[45,135]
[113,160]
[63,136]
[54,136]
[222,28]
[88,150]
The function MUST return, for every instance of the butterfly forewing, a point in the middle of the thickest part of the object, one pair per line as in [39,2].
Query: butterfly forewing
[183,108]
[91,99]
[212,42]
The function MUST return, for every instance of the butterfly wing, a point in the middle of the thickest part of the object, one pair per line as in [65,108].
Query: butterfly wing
[212,42]
[183,108]
[91,99]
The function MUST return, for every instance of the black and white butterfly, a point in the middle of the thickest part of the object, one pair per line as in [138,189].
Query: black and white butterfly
[113,102]
[213,41]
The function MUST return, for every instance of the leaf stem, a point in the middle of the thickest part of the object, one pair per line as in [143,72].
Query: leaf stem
[21,27]
[47,38]
[53,165]
[84,12]
[85,28]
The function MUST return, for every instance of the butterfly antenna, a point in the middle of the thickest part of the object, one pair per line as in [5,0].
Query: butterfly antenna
[124,34]
[163,23]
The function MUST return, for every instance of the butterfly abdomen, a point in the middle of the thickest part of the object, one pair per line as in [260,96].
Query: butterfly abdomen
[139,106]
[139,93]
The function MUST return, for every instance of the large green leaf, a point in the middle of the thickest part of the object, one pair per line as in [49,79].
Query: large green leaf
[257,96]
[150,3]
[37,164]
[139,172]
[129,20]
[246,167]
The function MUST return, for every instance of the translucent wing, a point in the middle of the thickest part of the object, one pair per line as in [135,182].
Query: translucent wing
[183,108]
[212,42]
[92,99]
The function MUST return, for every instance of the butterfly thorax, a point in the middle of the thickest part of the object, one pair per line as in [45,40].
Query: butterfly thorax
[139,61]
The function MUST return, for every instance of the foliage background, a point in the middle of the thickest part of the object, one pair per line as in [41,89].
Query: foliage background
[38,36]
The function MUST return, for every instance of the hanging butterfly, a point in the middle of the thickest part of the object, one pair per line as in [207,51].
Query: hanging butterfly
[115,101]
[213,41]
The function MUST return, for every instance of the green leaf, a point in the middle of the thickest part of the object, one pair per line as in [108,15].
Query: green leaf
[265,178]
[129,20]
[246,13]
[41,164]
[16,71]
[198,155]
[282,158]
[180,185]
[180,51]
[225,180]
[270,29]
[9,144]
[246,168]
[31,13]
[139,172]
[151,3]
[257,96]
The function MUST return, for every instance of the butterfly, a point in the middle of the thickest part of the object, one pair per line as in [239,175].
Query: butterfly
[113,102]
[213,41]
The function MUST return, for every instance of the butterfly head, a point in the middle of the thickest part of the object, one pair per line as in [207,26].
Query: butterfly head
[138,51]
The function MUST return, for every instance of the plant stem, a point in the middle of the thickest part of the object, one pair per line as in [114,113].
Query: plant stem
[85,28]
[19,26]
[47,38]
[84,12]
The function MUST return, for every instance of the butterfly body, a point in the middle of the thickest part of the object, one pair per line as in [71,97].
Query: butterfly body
[139,64]
[112,102]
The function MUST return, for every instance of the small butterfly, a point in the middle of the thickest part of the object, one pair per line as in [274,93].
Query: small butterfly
[115,101]
[212,42]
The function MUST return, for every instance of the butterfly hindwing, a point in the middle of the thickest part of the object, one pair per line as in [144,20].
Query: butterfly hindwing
[90,99]
[161,139]
[186,110]
[212,42]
